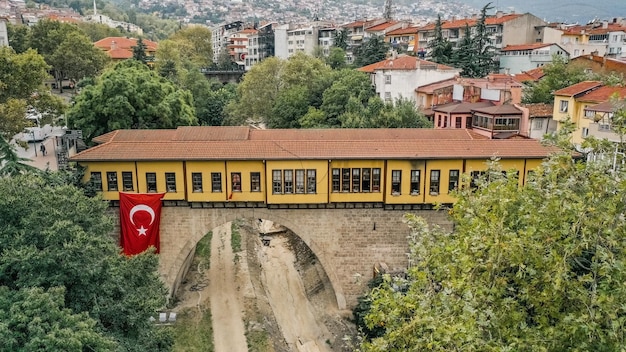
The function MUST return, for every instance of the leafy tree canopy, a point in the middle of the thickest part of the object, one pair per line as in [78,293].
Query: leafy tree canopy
[533,268]
[374,49]
[195,45]
[63,282]
[558,74]
[130,96]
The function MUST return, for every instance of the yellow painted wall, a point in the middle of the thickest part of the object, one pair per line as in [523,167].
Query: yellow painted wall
[206,168]
[356,196]
[245,168]
[322,176]
[556,112]
[103,168]
[444,179]
[160,168]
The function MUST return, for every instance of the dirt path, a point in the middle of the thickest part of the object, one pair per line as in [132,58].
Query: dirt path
[225,297]
[286,293]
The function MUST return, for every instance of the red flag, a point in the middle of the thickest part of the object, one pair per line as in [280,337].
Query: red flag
[140,215]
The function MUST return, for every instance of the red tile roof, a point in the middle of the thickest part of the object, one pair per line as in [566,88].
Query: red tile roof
[462,22]
[526,46]
[354,24]
[603,94]
[407,30]
[380,27]
[578,88]
[120,54]
[124,43]
[308,144]
[531,75]
[502,109]
[593,28]
[403,62]
[462,107]
[539,109]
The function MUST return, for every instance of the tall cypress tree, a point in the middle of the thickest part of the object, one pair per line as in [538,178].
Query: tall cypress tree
[440,48]
[139,51]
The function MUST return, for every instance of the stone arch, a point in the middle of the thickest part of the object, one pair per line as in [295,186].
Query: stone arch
[183,228]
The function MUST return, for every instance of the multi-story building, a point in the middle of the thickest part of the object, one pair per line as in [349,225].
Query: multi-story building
[326,39]
[600,38]
[238,45]
[403,39]
[221,36]
[260,45]
[4,37]
[516,59]
[399,76]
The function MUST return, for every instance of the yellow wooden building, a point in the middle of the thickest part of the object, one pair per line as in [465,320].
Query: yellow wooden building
[212,166]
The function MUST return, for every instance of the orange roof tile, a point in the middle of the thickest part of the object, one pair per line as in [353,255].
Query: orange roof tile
[402,62]
[526,46]
[407,30]
[578,88]
[380,27]
[124,43]
[593,28]
[539,109]
[531,75]
[603,94]
[354,24]
[313,144]
[120,54]
[491,20]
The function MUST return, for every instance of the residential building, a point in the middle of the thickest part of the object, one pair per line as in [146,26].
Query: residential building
[403,39]
[600,64]
[484,118]
[399,76]
[238,45]
[519,58]
[600,38]
[4,37]
[326,39]
[539,117]
[121,48]
[533,75]
[221,36]
[260,45]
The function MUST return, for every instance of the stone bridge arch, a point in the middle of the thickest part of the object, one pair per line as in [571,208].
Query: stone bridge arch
[347,242]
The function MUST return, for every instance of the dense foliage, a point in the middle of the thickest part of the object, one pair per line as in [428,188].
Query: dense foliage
[64,286]
[130,96]
[536,268]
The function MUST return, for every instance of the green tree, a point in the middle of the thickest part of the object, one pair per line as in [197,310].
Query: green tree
[346,83]
[12,164]
[534,268]
[558,74]
[130,95]
[373,50]
[336,58]
[290,105]
[56,258]
[340,38]
[440,48]
[97,31]
[195,45]
[485,52]
[139,51]
[19,37]
[77,58]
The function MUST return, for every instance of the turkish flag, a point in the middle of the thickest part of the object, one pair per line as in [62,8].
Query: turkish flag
[140,215]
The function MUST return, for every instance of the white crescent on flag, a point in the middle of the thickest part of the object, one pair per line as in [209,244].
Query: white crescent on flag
[141,207]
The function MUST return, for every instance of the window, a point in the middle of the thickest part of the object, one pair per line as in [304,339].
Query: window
[396,181]
[458,121]
[453,181]
[387,96]
[336,180]
[196,182]
[356,180]
[151,183]
[376,180]
[277,182]
[345,180]
[475,176]
[96,180]
[563,106]
[537,124]
[434,181]
[111,181]
[127,180]
[235,179]
[216,182]
[387,79]
[255,181]
[366,181]
[311,181]
[415,182]
[288,181]
[170,182]
[585,132]
[299,181]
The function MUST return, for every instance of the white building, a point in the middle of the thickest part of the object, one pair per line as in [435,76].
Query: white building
[516,59]
[4,37]
[399,77]
[221,36]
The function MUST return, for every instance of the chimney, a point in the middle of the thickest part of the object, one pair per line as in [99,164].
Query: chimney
[605,24]
[113,45]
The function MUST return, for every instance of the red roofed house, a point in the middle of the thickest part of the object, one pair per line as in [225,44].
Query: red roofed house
[399,76]
[515,59]
[121,48]
[601,38]
[601,64]
[238,45]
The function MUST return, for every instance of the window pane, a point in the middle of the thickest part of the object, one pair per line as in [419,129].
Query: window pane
[376,180]
[235,178]
[196,180]
[311,181]
[255,181]
[299,181]
[366,181]
[356,180]
[288,181]
[112,181]
[415,182]
[345,180]
[336,180]
[396,179]
[453,182]
[96,180]
[277,182]
[170,181]
[151,183]
[434,181]
[216,182]
[127,181]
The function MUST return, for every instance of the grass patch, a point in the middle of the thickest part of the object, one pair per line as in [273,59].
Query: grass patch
[193,331]
[203,250]
[235,237]
[258,341]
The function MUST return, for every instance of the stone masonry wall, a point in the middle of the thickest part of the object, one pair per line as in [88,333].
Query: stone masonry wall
[347,242]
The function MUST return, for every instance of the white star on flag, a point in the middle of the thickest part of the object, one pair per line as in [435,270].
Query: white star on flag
[142,231]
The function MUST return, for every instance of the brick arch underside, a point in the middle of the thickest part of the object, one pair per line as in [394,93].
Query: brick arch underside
[347,242]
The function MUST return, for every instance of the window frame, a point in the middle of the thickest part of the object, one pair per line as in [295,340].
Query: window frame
[255,182]
[453,180]
[396,182]
[170,182]
[151,182]
[112,181]
[300,181]
[356,180]
[196,182]
[416,182]
[345,179]
[563,105]
[127,181]
[376,179]
[216,182]
[435,182]
[366,180]
[277,182]
[336,180]
[288,181]
[235,182]
[96,182]
[311,181]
